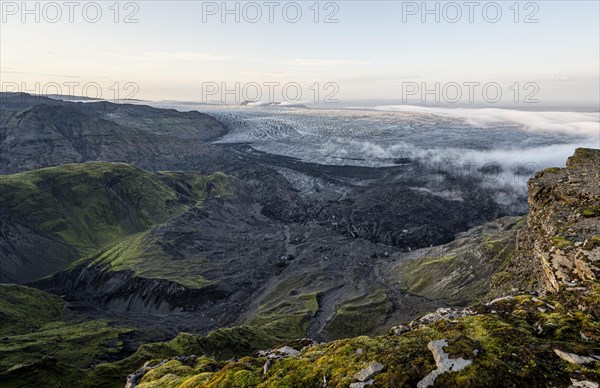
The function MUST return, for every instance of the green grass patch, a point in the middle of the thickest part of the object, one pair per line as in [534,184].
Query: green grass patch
[24,309]
[360,315]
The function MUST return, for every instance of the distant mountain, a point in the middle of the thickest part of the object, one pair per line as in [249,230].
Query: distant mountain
[273,104]
[39,132]
[65,97]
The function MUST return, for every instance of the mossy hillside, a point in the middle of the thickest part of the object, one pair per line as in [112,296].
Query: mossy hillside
[163,376]
[143,254]
[286,311]
[458,272]
[510,347]
[280,318]
[33,327]
[89,204]
[504,341]
[198,187]
[93,206]
[77,344]
[292,307]
[47,371]
[24,309]
[219,345]
[360,315]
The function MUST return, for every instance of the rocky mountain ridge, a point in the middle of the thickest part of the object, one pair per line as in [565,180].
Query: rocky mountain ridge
[37,132]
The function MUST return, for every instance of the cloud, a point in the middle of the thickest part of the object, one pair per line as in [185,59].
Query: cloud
[168,56]
[580,124]
[187,56]
[558,77]
[324,62]
[7,71]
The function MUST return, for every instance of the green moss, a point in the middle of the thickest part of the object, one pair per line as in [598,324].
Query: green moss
[361,315]
[458,272]
[286,314]
[79,345]
[88,204]
[504,346]
[561,242]
[172,367]
[141,254]
[552,170]
[592,211]
[33,327]
[24,309]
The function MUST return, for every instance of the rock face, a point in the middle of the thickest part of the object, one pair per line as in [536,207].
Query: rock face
[561,244]
[564,209]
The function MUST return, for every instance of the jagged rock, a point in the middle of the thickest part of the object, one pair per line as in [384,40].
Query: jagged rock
[267,366]
[443,362]
[361,384]
[283,352]
[501,299]
[134,378]
[441,313]
[399,330]
[556,249]
[583,384]
[576,359]
[370,371]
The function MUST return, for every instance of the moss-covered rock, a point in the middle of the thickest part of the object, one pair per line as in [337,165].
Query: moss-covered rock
[511,340]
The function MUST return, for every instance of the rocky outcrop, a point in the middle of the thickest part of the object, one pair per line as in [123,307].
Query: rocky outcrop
[563,217]
[560,247]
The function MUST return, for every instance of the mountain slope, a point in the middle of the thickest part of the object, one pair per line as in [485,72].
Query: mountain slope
[33,323]
[36,132]
[52,216]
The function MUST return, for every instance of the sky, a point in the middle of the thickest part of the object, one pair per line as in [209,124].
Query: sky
[532,53]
